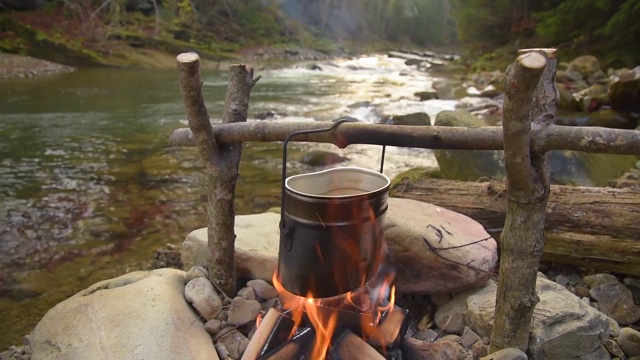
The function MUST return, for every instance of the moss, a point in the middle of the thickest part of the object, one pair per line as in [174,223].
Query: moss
[413,175]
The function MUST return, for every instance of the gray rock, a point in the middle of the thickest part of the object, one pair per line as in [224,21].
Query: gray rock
[588,67]
[233,342]
[616,301]
[200,293]
[257,241]
[262,289]
[247,293]
[414,230]
[195,272]
[125,318]
[427,95]
[506,354]
[613,327]
[415,119]
[633,284]
[451,317]
[479,349]
[469,337]
[213,326]
[467,165]
[629,341]
[415,349]
[563,326]
[428,335]
[243,311]
[614,349]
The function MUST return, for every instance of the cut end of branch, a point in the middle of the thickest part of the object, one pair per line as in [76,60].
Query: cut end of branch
[551,52]
[187,57]
[532,60]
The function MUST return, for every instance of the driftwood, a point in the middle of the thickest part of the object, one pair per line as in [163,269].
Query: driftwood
[222,160]
[587,227]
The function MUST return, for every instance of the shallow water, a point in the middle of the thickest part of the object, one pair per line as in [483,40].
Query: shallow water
[89,188]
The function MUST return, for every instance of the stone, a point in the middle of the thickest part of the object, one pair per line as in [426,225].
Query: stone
[247,293]
[479,349]
[233,342]
[200,293]
[629,341]
[213,326]
[137,315]
[467,165]
[243,311]
[195,272]
[592,98]
[322,158]
[262,289]
[426,95]
[588,67]
[563,326]
[614,349]
[633,285]
[624,91]
[414,349]
[414,119]
[613,327]
[506,354]
[451,317]
[469,337]
[257,241]
[414,230]
[616,301]
[428,335]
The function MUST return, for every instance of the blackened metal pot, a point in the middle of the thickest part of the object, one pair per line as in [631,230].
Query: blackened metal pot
[331,238]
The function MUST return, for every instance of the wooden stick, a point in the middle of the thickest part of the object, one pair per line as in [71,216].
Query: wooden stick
[522,239]
[551,137]
[221,159]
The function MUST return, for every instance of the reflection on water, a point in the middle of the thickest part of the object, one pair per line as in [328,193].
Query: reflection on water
[88,187]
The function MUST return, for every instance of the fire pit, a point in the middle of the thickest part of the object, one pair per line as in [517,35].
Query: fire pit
[334,283]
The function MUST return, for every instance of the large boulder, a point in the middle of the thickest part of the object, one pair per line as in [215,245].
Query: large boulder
[563,327]
[140,315]
[427,247]
[257,242]
[624,91]
[467,165]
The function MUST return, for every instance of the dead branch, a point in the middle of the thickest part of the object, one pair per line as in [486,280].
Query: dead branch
[222,160]
[522,239]
[543,138]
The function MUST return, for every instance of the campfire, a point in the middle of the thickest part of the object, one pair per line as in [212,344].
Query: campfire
[334,282]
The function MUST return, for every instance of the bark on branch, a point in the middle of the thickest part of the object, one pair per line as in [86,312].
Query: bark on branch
[222,160]
[551,137]
[522,239]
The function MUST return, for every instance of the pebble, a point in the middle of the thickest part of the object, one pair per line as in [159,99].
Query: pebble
[506,354]
[629,341]
[596,280]
[201,294]
[469,337]
[247,293]
[213,326]
[195,272]
[614,349]
[263,290]
[243,311]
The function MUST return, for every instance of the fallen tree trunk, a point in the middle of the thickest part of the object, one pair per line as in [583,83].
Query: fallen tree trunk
[588,227]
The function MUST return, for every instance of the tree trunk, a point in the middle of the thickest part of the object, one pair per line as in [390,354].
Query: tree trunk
[588,227]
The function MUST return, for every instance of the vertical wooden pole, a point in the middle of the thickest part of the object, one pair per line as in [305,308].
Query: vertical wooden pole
[530,103]
[222,160]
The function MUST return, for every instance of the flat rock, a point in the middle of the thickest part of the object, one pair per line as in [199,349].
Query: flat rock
[257,240]
[563,327]
[616,301]
[243,311]
[140,315]
[415,230]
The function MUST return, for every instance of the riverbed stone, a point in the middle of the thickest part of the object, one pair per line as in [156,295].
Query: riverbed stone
[200,293]
[414,119]
[415,349]
[629,341]
[140,315]
[233,342]
[415,230]
[262,289]
[624,91]
[257,241]
[506,354]
[596,280]
[243,311]
[563,326]
[616,301]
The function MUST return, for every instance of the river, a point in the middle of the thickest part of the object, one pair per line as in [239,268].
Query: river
[89,188]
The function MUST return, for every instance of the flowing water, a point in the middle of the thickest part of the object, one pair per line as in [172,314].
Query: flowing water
[89,187]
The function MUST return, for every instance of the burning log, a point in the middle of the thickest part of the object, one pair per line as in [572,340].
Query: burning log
[273,331]
[297,348]
[351,347]
[388,335]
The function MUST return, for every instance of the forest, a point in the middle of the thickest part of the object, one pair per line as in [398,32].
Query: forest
[482,28]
